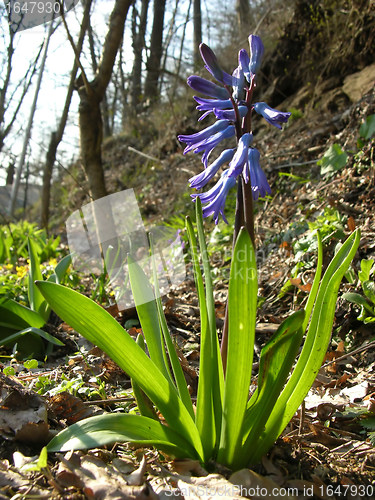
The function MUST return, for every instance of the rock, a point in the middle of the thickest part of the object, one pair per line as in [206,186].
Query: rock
[359,84]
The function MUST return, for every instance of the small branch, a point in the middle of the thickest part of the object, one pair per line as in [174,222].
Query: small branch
[75,50]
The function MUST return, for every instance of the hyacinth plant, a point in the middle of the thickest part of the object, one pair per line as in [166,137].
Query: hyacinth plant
[225,424]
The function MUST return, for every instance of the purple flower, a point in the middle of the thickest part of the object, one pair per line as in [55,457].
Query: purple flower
[244,63]
[216,197]
[238,84]
[229,114]
[212,64]
[197,139]
[273,116]
[259,183]
[206,87]
[256,53]
[240,159]
[208,105]
[213,141]
[200,180]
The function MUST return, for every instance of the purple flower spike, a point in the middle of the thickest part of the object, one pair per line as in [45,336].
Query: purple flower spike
[212,64]
[244,63]
[273,116]
[259,183]
[241,157]
[212,142]
[197,139]
[256,53]
[216,197]
[206,87]
[200,180]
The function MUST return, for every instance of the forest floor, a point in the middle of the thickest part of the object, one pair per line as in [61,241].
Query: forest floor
[327,449]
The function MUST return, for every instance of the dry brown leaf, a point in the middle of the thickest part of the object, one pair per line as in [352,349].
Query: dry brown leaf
[65,406]
[256,487]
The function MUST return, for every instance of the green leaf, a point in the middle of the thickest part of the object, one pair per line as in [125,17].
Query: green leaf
[205,417]
[148,315]
[36,299]
[30,364]
[216,365]
[365,272]
[175,362]
[367,128]
[314,349]
[60,269]
[143,402]
[108,429]
[16,316]
[334,159]
[13,338]
[39,464]
[242,307]
[368,288]
[357,299]
[276,360]
[98,326]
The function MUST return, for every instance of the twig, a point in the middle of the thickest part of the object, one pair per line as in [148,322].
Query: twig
[144,155]
[356,351]
[295,164]
[108,401]
[75,50]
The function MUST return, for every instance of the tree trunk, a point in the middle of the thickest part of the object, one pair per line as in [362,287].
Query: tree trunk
[138,46]
[197,33]
[104,103]
[243,16]
[156,51]
[57,136]
[91,95]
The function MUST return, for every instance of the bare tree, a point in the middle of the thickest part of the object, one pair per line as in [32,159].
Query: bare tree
[57,136]
[91,95]
[197,32]
[12,96]
[138,46]
[156,51]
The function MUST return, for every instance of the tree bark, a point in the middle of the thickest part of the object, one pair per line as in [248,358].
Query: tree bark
[138,46]
[197,33]
[91,95]
[57,136]
[243,16]
[156,51]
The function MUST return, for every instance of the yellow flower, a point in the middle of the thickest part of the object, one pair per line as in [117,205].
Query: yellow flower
[21,271]
[52,262]
[9,266]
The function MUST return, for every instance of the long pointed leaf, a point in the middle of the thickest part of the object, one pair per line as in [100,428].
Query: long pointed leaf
[95,324]
[37,331]
[36,299]
[216,362]
[15,315]
[242,306]
[175,362]
[205,419]
[148,316]
[108,429]
[314,349]
[276,361]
